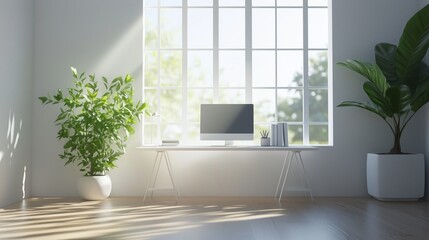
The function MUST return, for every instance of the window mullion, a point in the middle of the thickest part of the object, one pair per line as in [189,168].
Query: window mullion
[276,119]
[158,92]
[216,51]
[248,52]
[306,93]
[185,69]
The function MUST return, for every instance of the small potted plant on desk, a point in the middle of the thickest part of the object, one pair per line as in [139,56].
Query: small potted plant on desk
[95,125]
[397,87]
[265,139]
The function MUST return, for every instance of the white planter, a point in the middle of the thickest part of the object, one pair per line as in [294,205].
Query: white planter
[94,187]
[396,177]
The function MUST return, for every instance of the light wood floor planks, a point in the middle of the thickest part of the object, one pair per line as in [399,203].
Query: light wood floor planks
[215,218]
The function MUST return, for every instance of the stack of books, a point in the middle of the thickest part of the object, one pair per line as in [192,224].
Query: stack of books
[279,135]
[170,142]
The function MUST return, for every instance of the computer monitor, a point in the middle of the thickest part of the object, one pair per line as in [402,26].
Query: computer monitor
[226,122]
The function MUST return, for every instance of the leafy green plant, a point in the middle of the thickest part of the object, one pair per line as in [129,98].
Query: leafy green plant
[398,84]
[95,124]
[264,133]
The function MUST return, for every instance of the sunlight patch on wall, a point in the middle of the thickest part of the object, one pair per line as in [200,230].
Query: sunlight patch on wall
[132,37]
[12,134]
[24,177]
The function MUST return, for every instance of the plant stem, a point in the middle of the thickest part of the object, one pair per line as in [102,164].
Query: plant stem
[396,149]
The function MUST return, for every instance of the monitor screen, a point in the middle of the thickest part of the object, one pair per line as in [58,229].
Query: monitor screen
[226,122]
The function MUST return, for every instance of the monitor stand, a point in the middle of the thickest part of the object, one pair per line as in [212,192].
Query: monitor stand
[228,143]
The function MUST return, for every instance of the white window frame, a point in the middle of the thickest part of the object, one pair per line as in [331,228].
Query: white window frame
[248,66]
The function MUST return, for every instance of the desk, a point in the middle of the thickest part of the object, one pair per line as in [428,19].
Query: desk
[292,153]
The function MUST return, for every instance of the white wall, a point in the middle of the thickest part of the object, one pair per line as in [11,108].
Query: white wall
[16,28]
[104,36]
[97,36]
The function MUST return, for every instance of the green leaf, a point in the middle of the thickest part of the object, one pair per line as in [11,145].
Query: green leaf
[365,106]
[400,98]
[385,59]
[377,97]
[412,47]
[43,99]
[74,72]
[128,79]
[370,71]
[420,97]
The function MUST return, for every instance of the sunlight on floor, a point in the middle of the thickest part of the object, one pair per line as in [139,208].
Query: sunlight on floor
[57,218]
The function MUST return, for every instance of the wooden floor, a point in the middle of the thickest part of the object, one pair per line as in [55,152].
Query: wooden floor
[215,218]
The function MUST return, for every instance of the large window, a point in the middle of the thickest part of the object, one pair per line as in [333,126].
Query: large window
[274,54]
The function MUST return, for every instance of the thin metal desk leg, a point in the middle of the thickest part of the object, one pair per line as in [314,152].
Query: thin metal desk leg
[286,175]
[157,171]
[161,155]
[281,173]
[305,176]
[170,171]
[150,178]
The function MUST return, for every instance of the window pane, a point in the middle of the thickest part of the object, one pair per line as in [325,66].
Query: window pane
[232,96]
[151,98]
[290,32]
[318,28]
[289,3]
[200,3]
[264,69]
[196,97]
[231,28]
[150,28]
[295,134]
[318,68]
[171,132]
[171,28]
[263,28]
[171,68]
[319,134]
[150,133]
[263,3]
[193,133]
[231,68]
[171,106]
[264,105]
[151,3]
[290,65]
[200,28]
[171,3]
[234,3]
[318,111]
[151,68]
[289,105]
[322,3]
[200,68]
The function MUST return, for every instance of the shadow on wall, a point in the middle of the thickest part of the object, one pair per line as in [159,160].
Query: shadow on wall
[13,173]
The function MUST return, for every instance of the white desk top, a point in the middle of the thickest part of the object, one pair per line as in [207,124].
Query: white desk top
[226,148]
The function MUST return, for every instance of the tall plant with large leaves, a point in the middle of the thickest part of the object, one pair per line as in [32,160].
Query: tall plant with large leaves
[398,84]
[94,122]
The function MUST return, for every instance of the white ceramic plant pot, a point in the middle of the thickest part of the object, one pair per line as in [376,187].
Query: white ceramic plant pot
[396,177]
[94,187]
